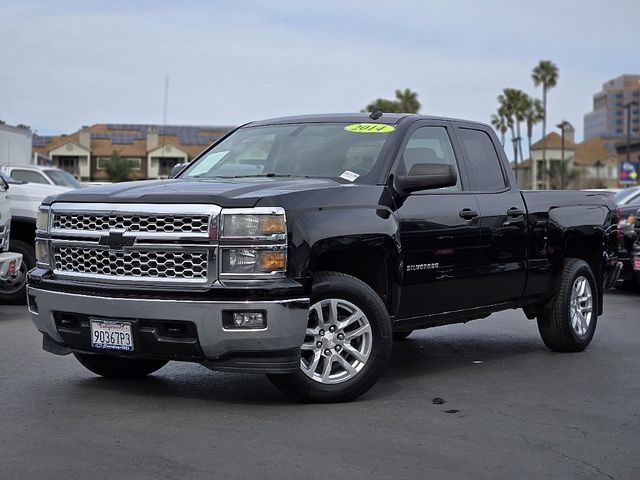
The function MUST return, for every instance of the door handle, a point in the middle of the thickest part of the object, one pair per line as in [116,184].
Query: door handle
[514,212]
[468,214]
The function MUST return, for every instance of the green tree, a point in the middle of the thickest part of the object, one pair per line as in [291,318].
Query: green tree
[545,74]
[554,174]
[119,169]
[406,102]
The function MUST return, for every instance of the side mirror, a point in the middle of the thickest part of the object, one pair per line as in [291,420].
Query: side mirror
[426,176]
[3,184]
[176,169]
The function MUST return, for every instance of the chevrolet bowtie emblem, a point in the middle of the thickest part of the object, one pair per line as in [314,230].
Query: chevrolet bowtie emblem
[116,240]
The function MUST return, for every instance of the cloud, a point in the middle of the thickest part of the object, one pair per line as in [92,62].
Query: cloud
[73,63]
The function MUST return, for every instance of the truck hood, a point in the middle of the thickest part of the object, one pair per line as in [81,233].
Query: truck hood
[236,192]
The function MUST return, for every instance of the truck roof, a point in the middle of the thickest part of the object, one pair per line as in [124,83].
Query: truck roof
[357,117]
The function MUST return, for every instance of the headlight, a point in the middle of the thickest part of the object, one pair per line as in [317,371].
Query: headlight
[42,252]
[253,242]
[270,226]
[42,220]
[254,261]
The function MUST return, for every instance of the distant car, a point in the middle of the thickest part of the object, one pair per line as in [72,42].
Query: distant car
[24,200]
[39,174]
[628,196]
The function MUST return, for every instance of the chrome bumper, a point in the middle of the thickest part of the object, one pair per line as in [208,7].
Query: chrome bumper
[286,319]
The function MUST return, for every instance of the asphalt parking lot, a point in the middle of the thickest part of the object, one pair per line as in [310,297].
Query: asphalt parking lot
[509,409]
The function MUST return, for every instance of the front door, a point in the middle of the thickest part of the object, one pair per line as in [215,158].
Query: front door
[439,231]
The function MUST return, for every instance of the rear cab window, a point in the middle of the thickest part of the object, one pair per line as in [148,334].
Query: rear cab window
[485,167]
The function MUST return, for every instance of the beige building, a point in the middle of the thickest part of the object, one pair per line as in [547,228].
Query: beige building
[589,164]
[152,150]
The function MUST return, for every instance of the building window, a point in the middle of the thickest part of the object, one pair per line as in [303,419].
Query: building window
[165,165]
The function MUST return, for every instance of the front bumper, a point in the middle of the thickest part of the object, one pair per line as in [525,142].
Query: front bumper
[63,318]
[9,263]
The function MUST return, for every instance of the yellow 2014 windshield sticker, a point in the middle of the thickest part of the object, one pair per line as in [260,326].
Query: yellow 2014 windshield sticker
[369,128]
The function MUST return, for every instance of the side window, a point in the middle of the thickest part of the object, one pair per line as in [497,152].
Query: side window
[484,162]
[28,176]
[429,145]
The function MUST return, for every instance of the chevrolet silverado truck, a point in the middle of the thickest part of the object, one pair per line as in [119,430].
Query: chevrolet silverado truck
[10,262]
[301,247]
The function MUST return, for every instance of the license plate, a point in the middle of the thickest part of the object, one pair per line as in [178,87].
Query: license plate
[111,335]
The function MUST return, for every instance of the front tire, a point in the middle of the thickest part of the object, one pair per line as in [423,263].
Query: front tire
[119,367]
[568,322]
[347,343]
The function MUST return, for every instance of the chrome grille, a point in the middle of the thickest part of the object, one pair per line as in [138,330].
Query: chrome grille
[178,265]
[133,223]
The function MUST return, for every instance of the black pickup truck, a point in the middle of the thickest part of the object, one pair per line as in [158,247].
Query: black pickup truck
[301,247]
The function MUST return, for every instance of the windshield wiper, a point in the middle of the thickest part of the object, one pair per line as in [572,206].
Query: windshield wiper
[270,175]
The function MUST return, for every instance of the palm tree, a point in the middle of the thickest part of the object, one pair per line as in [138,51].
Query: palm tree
[513,103]
[534,114]
[545,74]
[408,101]
[500,123]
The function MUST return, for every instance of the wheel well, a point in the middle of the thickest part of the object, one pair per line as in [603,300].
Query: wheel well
[587,249]
[23,230]
[590,250]
[367,264]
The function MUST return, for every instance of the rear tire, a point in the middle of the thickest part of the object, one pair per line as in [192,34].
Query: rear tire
[119,367]
[13,291]
[568,322]
[347,346]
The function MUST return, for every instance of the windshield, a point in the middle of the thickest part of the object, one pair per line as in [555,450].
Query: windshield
[60,177]
[348,151]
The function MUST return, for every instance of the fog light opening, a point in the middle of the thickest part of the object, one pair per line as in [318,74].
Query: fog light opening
[245,320]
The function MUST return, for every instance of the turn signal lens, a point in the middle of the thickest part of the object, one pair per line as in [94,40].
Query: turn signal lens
[270,261]
[271,224]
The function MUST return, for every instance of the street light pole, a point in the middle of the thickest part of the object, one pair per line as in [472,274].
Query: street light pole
[515,141]
[562,126]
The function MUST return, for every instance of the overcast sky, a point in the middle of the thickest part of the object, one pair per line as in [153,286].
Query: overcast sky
[64,64]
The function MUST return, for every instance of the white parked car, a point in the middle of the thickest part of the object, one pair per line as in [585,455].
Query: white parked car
[9,262]
[23,200]
[41,175]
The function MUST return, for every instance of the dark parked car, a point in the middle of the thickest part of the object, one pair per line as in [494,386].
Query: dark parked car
[301,247]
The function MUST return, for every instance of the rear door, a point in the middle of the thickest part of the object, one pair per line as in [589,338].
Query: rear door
[439,229]
[503,215]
